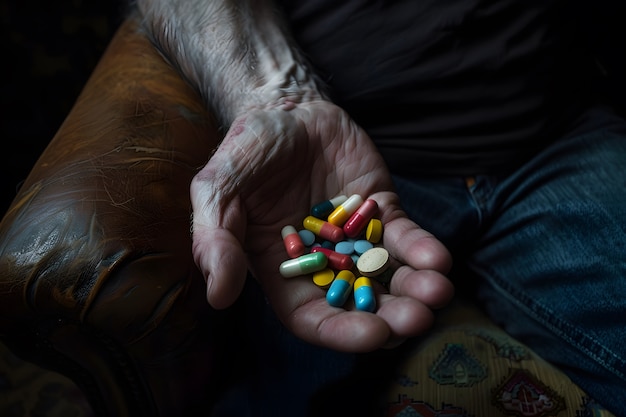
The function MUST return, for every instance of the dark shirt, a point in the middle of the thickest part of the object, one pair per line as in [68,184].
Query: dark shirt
[449,86]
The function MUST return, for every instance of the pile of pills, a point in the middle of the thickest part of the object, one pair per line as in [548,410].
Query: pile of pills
[339,245]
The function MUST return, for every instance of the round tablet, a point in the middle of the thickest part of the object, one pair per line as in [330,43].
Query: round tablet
[373,262]
[307,237]
[374,231]
[324,278]
[344,247]
[362,246]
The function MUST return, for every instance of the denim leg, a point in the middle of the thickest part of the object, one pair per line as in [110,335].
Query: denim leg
[547,245]
[552,260]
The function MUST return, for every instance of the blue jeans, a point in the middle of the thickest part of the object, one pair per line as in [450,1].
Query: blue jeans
[544,249]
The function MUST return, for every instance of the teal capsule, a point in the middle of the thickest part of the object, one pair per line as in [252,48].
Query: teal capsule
[323,209]
[302,265]
[364,297]
[340,289]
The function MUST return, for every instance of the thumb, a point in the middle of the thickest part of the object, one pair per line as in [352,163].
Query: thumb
[223,263]
[218,227]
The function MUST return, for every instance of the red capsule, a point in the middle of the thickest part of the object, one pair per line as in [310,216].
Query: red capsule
[360,218]
[336,260]
[323,229]
[293,242]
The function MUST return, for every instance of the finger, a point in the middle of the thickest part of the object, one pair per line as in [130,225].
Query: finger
[218,230]
[338,329]
[405,317]
[414,246]
[427,286]
[222,261]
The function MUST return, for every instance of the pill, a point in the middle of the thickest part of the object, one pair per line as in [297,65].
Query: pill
[323,229]
[373,262]
[328,244]
[364,298]
[361,246]
[293,242]
[340,289]
[345,247]
[360,218]
[323,209]
[307,236]
[302,265]
[374,231]
[343,211]
[335,259]
[324,278]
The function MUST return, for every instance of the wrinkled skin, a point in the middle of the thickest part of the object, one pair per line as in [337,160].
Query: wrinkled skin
[272,166]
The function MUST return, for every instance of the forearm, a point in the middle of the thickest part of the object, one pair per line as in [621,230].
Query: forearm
[236,53]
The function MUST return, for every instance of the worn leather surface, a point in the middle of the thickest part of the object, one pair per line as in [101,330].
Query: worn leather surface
[96,273]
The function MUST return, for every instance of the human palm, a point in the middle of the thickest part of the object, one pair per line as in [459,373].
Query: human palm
[273,165]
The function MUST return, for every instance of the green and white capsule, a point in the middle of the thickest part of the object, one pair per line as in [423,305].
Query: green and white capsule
[303,265]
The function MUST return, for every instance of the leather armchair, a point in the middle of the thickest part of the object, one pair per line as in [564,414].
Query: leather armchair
[96,275]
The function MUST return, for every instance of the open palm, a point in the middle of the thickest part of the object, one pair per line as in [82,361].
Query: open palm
[273,165]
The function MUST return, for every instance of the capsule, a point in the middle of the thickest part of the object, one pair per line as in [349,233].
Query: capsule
[360,218]
[323,209]
[340,289]
[293,243]
[302,265]
[336,260]
[323,229]
[364,298]
[374,231]
[343,212]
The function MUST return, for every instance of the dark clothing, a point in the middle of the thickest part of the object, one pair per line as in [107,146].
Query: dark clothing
[450,87]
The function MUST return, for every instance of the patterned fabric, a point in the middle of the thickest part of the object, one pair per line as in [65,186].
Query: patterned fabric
[469,367]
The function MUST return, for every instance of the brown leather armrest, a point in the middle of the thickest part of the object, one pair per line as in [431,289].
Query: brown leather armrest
[97,280]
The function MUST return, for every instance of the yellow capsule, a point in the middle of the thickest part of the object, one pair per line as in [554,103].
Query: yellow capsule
[364,298]
[342,213]
[323,229]
[341,288]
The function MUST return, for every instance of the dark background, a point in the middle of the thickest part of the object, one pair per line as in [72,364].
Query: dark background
[50,47]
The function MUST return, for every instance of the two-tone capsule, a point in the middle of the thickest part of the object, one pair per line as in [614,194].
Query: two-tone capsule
[342,213]
[303,265]
[323,209]
[364,297]
[359,220]
[323,229]
[340,289]
[293,242]
[336,260]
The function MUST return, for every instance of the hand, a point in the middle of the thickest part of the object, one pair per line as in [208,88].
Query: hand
[273,165]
